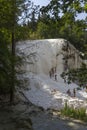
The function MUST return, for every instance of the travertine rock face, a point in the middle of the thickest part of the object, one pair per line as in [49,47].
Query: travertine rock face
[43,62]
[40,56]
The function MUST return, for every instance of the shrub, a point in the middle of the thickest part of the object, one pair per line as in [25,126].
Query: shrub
[74,113]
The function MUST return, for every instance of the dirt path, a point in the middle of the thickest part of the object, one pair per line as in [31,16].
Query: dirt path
[25,116]
[48,122]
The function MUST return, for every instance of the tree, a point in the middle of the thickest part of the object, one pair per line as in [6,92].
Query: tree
[5,63]
[78,75]
[11,12]
[65,25]
[42,30]
[52,9]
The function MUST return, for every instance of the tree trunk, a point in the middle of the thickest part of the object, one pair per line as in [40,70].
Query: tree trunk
[12,87]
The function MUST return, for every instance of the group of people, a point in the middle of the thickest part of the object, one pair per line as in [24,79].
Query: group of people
[69,92]
[52,73]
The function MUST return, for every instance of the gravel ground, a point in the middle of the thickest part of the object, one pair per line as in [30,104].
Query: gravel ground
[24,116]
[48,122]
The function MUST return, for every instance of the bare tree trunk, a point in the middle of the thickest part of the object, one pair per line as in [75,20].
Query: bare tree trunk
[12,87]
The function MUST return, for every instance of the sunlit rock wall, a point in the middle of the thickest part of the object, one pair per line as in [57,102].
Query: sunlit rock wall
[40,56]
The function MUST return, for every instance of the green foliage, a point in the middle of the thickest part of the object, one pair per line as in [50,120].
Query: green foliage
[10,32]
[78,75]
[42,30]
[5,62]
[74,113]
[65,26]
[85,7]
[21,33]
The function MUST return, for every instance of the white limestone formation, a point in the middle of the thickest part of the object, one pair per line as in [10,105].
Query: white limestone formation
[43,55]
[43,62]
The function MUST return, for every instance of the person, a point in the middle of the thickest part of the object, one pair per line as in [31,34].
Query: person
[74,92]
[52,71]
[64,80]
[50,74]
[56,77]
[85,89]
[69,92]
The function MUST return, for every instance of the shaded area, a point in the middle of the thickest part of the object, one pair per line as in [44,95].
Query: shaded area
[45,121]
[26,116]
[13,117]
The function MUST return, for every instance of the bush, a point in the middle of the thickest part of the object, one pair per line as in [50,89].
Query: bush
[74,113]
